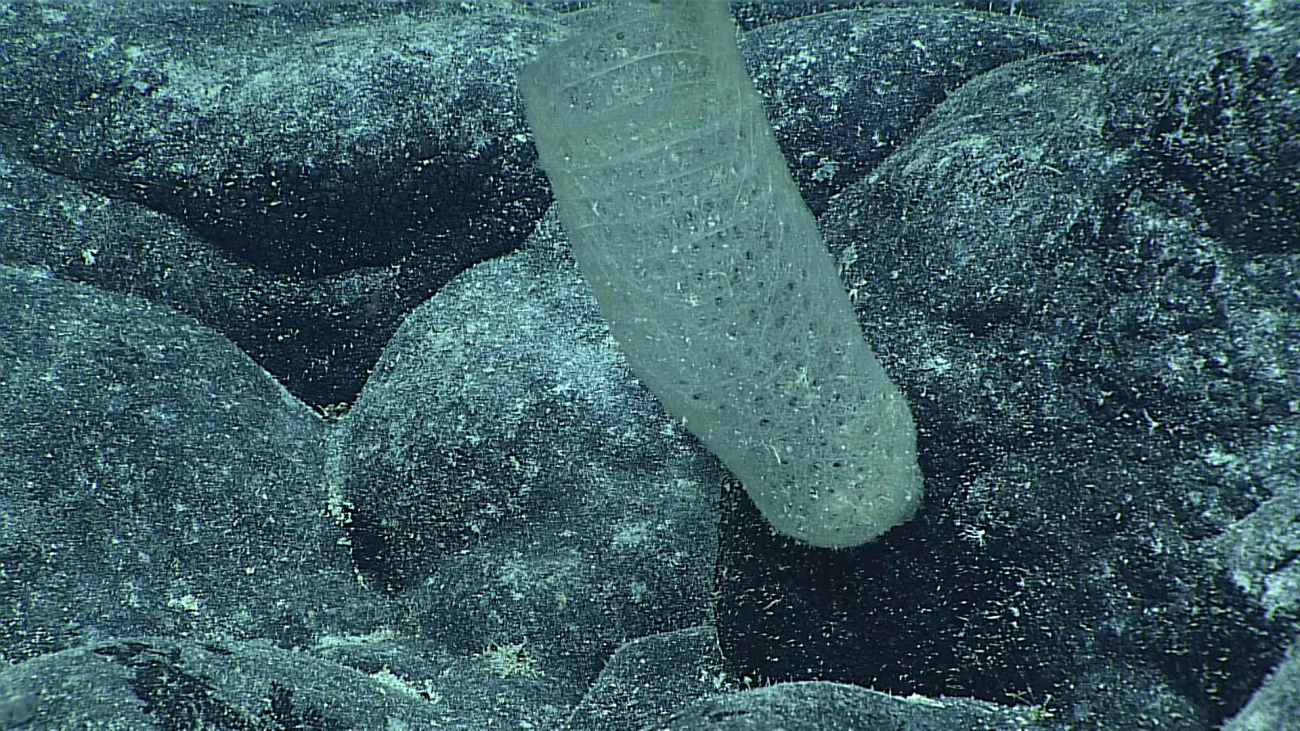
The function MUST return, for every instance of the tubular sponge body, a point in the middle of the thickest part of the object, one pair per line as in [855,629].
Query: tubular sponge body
[711,272]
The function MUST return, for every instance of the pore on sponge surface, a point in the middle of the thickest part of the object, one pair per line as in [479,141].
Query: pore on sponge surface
[711,272]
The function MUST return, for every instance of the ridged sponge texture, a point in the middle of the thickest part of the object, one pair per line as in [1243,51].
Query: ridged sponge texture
[711,272]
